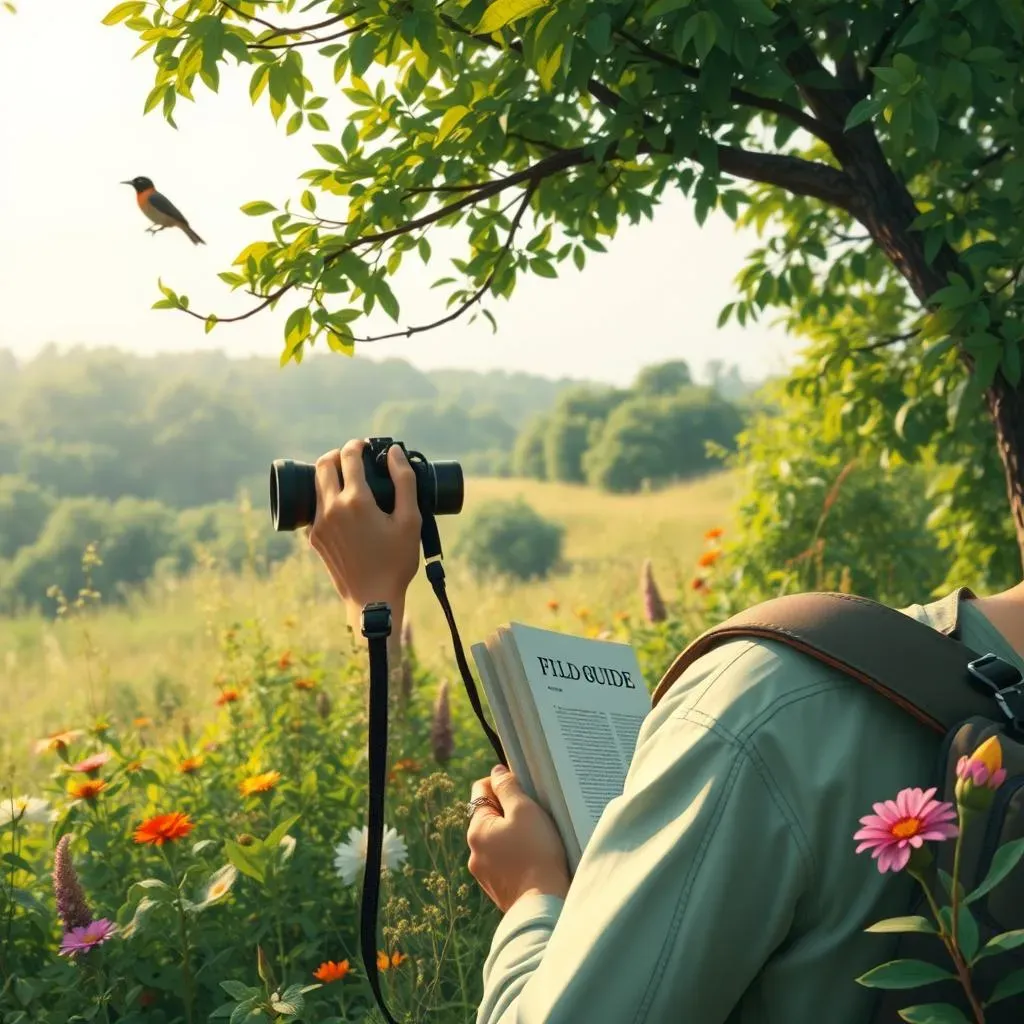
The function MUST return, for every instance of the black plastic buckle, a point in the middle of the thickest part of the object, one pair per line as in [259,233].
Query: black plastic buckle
[1004,684]
[376,620]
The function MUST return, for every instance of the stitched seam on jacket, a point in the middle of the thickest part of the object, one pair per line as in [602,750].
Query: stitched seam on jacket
[695,866]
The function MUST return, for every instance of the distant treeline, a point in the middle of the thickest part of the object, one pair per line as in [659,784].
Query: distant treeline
[147,457]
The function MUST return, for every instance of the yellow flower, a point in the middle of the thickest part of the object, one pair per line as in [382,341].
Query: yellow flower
[990,753]
[191,765]
[262,783]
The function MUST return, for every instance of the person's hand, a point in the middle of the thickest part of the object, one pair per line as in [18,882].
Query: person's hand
[515,852]
[370,555]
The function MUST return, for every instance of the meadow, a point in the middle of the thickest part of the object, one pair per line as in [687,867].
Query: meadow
[203,748]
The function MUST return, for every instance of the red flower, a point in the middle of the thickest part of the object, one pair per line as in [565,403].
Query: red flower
[164,828]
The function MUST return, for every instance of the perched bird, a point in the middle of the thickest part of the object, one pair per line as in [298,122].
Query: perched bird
[159,209]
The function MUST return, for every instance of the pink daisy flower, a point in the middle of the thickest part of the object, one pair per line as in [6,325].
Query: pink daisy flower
[902,825]
[81,940]
[93,763]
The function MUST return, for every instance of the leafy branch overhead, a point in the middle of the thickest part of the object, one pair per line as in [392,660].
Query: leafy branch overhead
[884,134]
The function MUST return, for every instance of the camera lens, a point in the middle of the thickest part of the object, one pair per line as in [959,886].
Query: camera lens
[292,494]
[448,488]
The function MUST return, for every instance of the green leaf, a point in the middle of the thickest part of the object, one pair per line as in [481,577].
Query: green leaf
[209,323]
[123,11]
[966,927]
[933,1013]
[904,924]
[331,154]
[318,121]
[294,123]
[152,888]
[449,122]
[862,111]
[1011,985]
[238,990]
[542,268]
[504,12]
[1002,943]
[1011,362]
[598,34]
[903,974]
[258,208]
[1005,860]
[281,831]
[362,52]
[239,856]
[662,7]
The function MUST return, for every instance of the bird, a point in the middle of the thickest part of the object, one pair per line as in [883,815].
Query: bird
[159,209]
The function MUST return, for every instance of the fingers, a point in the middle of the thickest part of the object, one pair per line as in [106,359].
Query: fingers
[353,471]
[328,486]
[404,478]
[506,789]
[482,817]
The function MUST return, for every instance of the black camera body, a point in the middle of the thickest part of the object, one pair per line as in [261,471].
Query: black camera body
[439,485]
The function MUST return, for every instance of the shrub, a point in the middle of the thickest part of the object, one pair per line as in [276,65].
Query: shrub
[509,538]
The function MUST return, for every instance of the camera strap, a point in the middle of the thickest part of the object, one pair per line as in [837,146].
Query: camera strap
[376,627]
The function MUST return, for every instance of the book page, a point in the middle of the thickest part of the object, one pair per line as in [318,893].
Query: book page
[510,742]
[591,701]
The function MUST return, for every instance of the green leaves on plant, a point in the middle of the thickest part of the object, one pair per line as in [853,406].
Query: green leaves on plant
[258,208]
[1006,858]
[904,924]
[933,1013]
[904,974]
[505,12]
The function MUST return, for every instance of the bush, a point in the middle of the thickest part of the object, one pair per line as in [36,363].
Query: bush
[509,538]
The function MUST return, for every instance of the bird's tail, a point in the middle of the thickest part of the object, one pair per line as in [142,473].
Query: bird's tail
[196,240]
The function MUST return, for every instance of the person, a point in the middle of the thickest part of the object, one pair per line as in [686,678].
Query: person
[722,885]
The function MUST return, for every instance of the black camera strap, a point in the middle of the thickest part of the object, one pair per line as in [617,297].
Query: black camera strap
[376,627]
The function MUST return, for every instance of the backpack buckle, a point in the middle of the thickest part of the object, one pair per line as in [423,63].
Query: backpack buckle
[1004,684]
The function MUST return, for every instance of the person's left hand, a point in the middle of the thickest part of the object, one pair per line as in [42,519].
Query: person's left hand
[515,852]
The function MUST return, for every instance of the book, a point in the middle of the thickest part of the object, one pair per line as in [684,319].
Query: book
[568,711]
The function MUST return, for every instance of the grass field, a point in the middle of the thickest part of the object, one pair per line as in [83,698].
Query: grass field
[126,660]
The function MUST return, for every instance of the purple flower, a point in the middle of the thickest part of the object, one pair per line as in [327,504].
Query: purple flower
[80,940]
[654,606]
[72,907]
[442,738]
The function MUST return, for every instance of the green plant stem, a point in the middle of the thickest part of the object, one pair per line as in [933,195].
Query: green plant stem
[186,962]
[15,850]
[949,941]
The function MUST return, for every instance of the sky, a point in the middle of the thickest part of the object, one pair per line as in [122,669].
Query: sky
[78,268]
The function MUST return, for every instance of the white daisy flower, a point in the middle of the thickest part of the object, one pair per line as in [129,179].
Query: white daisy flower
[350,857]
[28,810]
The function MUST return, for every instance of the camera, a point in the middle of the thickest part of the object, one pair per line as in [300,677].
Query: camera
[439,485]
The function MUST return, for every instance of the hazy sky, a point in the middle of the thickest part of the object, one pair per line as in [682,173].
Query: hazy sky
[76,266]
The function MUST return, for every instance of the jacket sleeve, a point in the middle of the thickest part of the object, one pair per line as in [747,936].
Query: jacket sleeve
[687,885]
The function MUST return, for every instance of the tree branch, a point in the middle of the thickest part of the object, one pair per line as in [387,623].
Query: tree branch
[479,293]
[893,339]
[885,40]
[275,31]
[986,161]
[316,41]
[736,94]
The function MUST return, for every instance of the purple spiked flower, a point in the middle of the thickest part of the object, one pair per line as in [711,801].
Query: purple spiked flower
[654,606]
[72,907]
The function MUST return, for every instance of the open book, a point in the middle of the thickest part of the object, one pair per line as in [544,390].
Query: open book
[568,711]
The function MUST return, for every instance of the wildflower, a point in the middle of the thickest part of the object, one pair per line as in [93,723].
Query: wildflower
[190,765]
[622,616]
[88,789]
[714,533]
[330,971]
[30,810]
[133,766]
[72,908]
[304,684]
[350,857]
[442,737]
[262,783]
[142,723]
[899,826]
[164,828]
[81,940]
[323,704]
[91,764]
[99,727]
[583,613]
[553,605]
[384,961]
[58,741]
[285,661]
[654,606]
[406,764]
[979,774]
[708,558]
[228,696]
[220,884]
[698,584]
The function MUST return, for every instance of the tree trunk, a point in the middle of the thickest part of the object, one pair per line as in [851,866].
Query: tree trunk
[885,207]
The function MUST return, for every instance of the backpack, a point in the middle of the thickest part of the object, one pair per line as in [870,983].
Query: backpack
[961,695]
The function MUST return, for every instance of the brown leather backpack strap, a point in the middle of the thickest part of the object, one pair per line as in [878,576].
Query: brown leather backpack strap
[920,668]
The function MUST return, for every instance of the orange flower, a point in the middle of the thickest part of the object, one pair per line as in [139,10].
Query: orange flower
[714,533]
[553,605]
[330,970]
[142,723]
[191,765]
[407,764]
[304,684]
[709,558]
[622,616]
[262,783]
[57,740]
[228,696]
[164,828]
[384,961]
[583,613]
[285,660]
[87,789]
[133,766]
[698,584]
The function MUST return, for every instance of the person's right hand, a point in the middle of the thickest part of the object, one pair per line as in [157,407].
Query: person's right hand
[370,555]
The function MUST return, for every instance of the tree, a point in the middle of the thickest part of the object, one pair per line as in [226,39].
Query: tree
[883,140]
[528,451]
[663,378]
